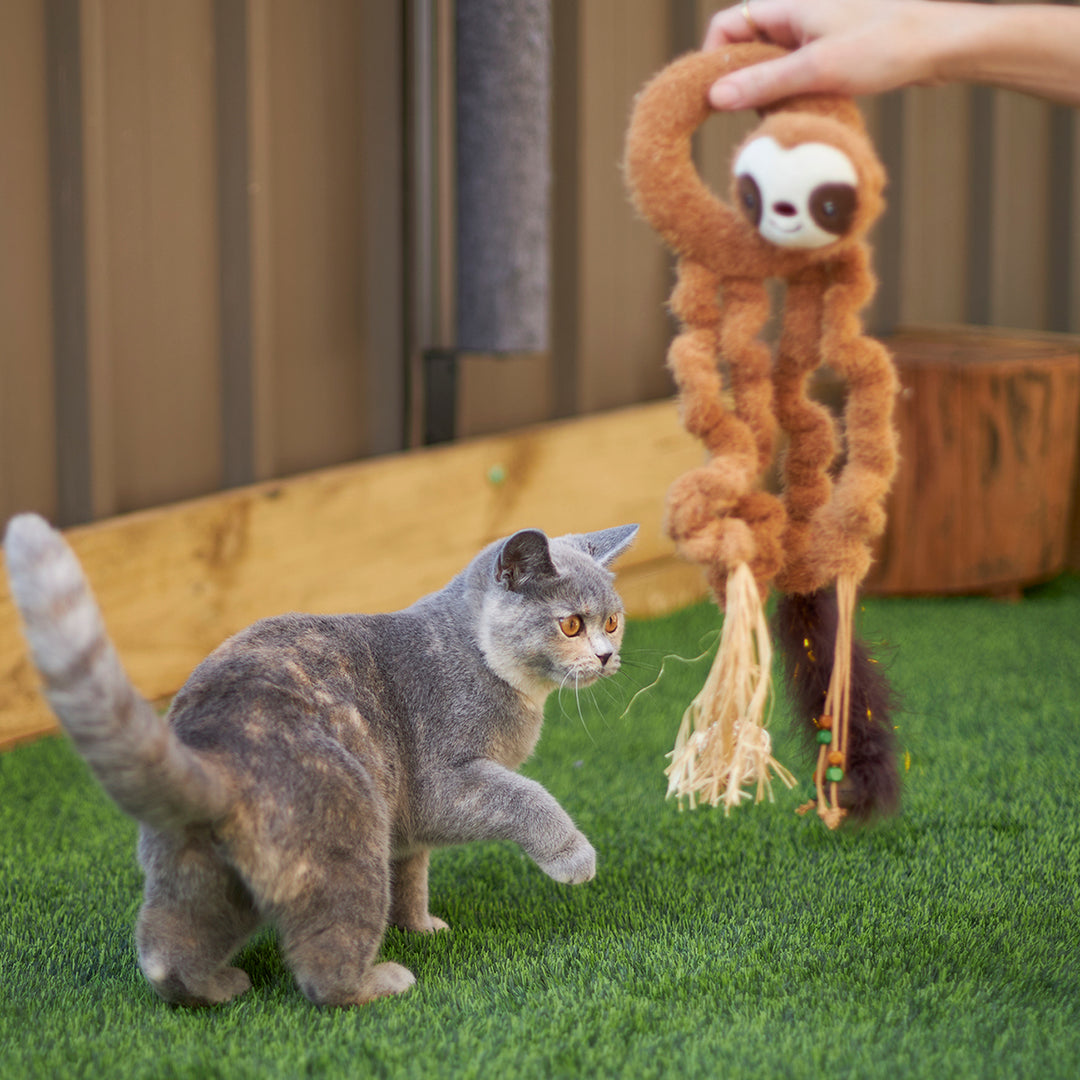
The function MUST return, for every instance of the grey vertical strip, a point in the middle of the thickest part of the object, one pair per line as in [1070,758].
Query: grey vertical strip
[425,318]
[565,208]
[421,173]
[1061,220]
[888,240]
[234,242]
[683,24]
[68,252]
[980,206]
[503,95]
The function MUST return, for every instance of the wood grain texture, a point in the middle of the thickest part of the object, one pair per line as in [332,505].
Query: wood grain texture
[983,499]
[175,582]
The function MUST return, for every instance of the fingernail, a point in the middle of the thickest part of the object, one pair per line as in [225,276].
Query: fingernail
[724,95]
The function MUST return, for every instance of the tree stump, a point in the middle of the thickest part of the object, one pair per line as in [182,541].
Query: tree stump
[988,426]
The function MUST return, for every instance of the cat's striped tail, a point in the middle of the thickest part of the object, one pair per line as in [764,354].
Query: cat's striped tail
[134,754]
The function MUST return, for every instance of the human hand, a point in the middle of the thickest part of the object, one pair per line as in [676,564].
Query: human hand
[839,46]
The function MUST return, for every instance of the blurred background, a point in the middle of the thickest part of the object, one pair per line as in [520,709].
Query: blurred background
[241,239]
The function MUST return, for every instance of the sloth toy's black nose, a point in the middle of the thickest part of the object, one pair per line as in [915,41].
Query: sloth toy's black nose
[784,209]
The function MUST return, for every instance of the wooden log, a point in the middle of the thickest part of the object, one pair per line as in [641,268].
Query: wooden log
[173,583]
[988,441]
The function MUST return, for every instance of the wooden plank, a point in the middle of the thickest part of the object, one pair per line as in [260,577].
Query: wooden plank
[175,582]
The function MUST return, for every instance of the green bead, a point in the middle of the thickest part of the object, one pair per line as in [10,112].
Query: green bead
[834,773]
[496,475]
[824,737]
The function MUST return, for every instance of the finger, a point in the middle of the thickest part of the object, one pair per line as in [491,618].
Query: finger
[764,83]
[773,20]
[727,27]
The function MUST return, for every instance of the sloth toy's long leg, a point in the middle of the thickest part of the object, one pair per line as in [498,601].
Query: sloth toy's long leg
[812,445]
[842,698]
[715,514]
[722,522]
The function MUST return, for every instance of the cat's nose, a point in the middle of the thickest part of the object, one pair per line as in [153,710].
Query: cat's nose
[603,657]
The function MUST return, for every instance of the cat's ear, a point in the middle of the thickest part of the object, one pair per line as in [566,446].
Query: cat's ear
[608,544]
[524,557]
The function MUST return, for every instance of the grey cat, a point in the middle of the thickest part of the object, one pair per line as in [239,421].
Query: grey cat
[311,762]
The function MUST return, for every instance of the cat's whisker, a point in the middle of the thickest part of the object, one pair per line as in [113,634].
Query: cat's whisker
[581,715]
[604,686]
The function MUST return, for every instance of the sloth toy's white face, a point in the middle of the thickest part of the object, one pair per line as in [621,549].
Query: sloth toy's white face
[804,197]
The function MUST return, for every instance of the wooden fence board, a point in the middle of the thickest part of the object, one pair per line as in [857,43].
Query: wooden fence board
[175,582]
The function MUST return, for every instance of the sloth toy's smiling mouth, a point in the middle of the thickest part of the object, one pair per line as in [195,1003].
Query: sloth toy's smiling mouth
[775,224]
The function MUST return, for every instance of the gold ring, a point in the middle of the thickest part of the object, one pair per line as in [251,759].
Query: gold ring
[754,29]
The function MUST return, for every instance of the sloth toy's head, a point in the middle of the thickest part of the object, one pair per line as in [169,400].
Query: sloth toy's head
[806,182]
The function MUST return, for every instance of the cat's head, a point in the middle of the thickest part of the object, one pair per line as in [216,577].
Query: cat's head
[551,616]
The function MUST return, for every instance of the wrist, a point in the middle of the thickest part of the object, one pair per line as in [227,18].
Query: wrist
[962,36]
[1027,47]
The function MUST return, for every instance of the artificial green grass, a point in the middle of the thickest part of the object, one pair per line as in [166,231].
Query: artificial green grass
[944,943]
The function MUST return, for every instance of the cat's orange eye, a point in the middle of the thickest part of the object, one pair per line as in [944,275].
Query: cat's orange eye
[572,625]
[612,624]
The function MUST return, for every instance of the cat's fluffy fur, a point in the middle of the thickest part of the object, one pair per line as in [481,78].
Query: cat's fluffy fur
[311,762]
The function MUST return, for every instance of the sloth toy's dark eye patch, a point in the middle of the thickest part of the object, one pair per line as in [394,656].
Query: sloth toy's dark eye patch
[832,207]
[749,199]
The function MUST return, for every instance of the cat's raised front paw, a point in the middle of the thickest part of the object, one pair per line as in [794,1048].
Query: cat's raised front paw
[573,864]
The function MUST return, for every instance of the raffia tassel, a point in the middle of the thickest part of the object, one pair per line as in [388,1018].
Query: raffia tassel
[838,706]
[722,746]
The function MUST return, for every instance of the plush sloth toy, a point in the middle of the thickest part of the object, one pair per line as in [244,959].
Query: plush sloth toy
[806,189]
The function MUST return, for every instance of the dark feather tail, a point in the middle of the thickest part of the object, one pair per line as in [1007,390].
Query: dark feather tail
[804,628]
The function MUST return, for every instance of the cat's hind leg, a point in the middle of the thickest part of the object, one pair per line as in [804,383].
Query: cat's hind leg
[320,871]
[409,895]
[331,935]
[195,915]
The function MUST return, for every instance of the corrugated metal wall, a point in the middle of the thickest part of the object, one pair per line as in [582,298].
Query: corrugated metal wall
[200,245]
[203,243]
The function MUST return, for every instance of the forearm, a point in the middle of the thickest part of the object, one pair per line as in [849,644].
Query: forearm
[1030,47]
[869,46]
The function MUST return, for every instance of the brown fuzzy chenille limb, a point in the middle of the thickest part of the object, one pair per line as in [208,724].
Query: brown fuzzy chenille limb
[830,527]
[812,445]
[714,512]
[855,514]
